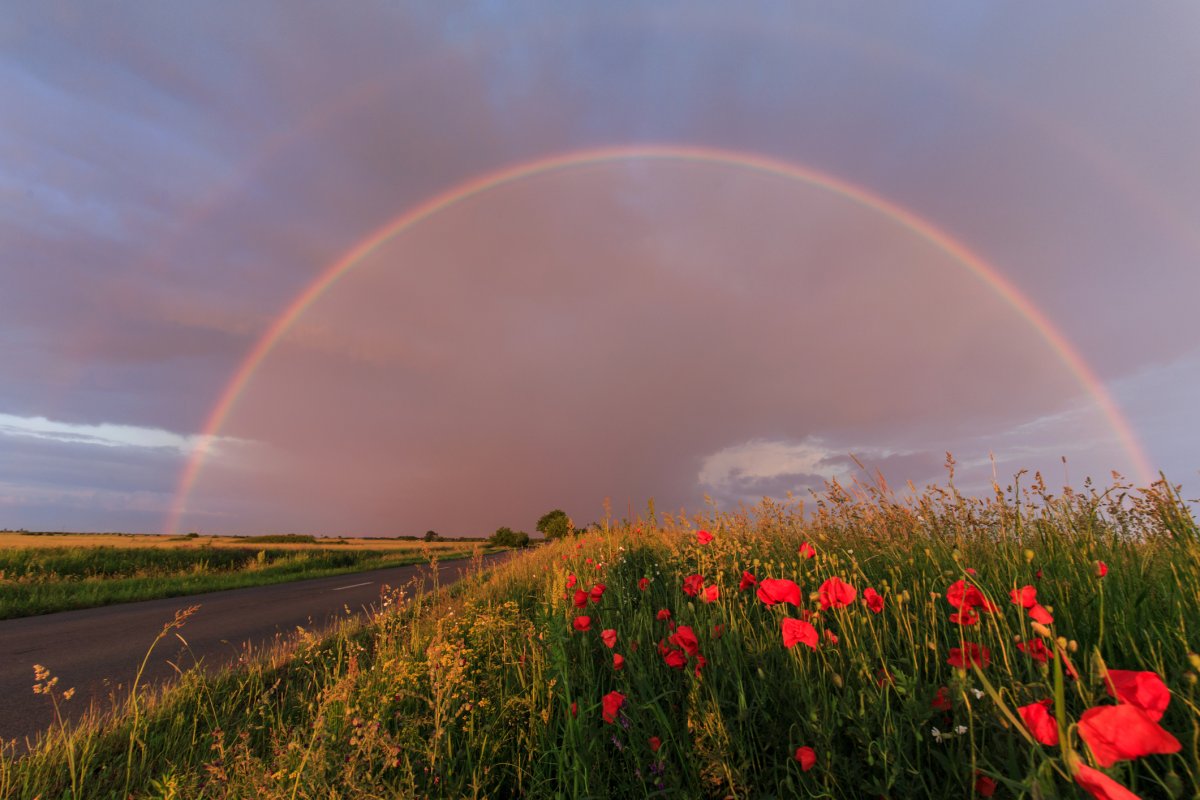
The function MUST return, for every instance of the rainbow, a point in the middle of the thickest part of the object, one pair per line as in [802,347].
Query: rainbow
[680,153]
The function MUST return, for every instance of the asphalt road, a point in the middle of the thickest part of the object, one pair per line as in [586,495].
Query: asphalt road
[97,650]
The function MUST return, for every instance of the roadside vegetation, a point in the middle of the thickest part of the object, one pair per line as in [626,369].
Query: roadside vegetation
[40,580]
[1024,645]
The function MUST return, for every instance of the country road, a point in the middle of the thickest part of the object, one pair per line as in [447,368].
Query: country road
[97,650]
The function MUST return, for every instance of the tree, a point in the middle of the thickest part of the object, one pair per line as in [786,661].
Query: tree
[432,536]
[507,537]
[554,524]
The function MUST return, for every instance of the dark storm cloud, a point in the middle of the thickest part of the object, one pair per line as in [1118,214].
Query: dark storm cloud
[174,175]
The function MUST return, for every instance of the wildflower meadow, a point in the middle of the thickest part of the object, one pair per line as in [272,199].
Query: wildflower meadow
[857,645]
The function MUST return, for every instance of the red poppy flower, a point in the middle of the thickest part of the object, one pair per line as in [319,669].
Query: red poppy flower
[1142,689]
[1116,733]
[685,637]
[960,594]
[1040,614]
[972,654]
[873,599]
[806,550]
[830,636]
[583,623]
[643,583]
[587,560]
[655,743]
[675,658]
[1036,649]
[597,592]
[574,709]
[718,631]
[778,590]
[692,584]
[663,614]
[703,537]
[798,631]
[807,757]
[964,617]
[984,786]
[618,661]
[612,704]
[1101,569]
[1100,786]
[1026,596]
[570,581]
[940,701]
[609,637]
[956,593]
[971,571]
[747,581]
[710,594]
[1037,718]
[581,598]
[701,663]
[836,593]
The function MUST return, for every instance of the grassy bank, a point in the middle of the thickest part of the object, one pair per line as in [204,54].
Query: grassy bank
[501,688]
[47,579]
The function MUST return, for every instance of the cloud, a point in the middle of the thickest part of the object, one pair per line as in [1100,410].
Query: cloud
[103,434]
[759,468]
[757,460]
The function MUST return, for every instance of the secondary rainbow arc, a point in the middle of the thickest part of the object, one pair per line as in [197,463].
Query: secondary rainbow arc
[754,162]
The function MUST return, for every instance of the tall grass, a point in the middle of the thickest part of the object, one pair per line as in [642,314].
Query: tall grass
[489,690]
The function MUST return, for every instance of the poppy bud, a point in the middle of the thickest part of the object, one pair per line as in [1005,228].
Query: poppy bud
[1073,646]
[837,680]
[1040,629]
[1190,677]
[1194,659]
[1061,642]
[1028,556]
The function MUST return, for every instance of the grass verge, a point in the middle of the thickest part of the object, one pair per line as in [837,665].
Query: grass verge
[45,580]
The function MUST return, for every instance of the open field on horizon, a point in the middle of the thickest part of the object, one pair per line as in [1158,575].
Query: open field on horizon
[1020,646]
[89,571]
[21,539]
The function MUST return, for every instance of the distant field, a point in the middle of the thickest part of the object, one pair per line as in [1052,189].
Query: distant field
[15,539]
[40,574]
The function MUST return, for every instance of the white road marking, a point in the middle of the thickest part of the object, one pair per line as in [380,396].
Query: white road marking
[353,586]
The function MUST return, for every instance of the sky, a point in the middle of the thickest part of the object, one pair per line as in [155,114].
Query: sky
[380,268]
